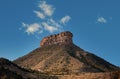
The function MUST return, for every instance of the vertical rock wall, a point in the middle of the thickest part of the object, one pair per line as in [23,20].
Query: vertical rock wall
[63,37]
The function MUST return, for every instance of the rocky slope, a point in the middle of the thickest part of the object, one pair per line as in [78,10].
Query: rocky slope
[59,56]
[9,70]
[100,75]
[64,59]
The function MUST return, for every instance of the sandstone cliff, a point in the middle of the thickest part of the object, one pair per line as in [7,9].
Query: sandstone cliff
[62,38]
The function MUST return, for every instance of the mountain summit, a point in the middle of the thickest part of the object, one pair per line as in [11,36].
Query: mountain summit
[62,38]
[59,55]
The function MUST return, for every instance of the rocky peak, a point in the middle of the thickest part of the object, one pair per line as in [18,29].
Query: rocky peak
[58,55]
[61,38]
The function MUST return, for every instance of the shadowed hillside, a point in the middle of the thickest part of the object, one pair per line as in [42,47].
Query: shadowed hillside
[9,70]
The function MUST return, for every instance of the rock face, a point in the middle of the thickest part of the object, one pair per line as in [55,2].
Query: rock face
[63,37]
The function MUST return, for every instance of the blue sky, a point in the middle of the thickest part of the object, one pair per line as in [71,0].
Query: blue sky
[95,25]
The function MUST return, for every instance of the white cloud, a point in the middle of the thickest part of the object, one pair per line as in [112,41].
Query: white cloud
[101,20]
[49,28]
[46,8]
[47,22]
[65,19]
[54,23]
[32,28]
[39,14]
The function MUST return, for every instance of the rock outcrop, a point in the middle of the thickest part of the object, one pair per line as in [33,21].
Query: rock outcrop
[63,37]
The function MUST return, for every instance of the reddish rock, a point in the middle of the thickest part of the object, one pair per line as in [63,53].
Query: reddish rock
[63,37]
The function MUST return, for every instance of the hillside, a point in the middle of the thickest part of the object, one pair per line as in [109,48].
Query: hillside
[9,70]
[59,56]
[64,59]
